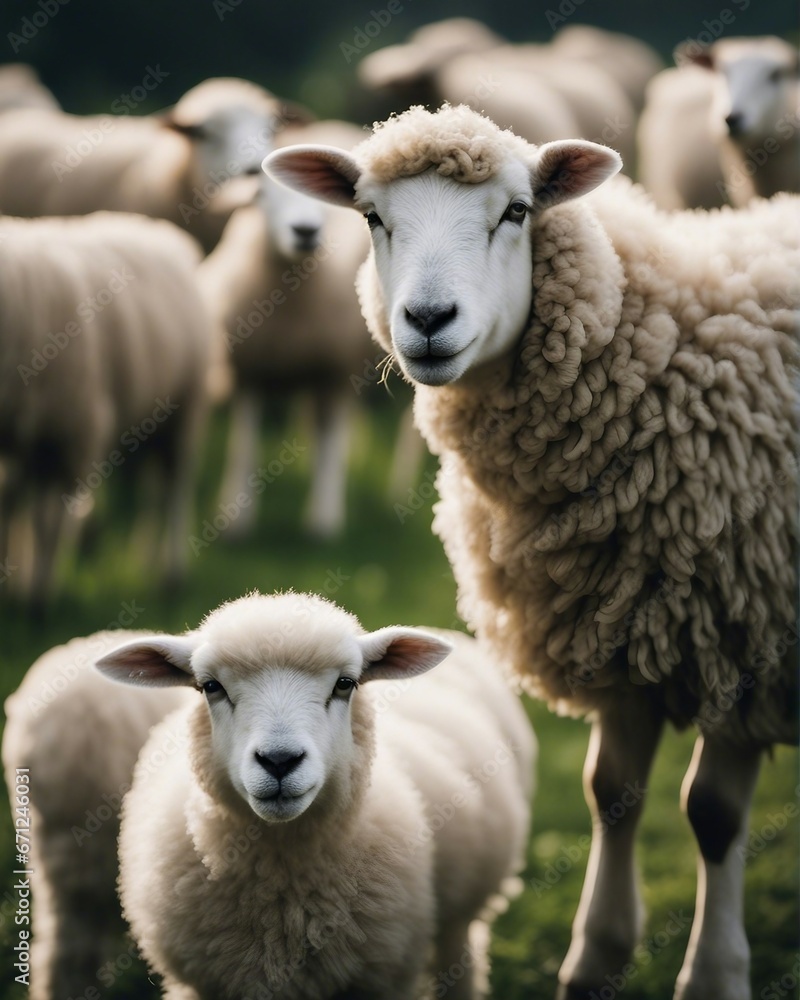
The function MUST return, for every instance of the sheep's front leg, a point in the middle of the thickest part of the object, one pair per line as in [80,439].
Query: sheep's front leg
[717,792]
[326,506]
[241,459]
[608,922]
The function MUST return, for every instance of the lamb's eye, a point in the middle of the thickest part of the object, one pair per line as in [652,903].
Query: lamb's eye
[344,687]
[213,687]
[515,212]
[373,220]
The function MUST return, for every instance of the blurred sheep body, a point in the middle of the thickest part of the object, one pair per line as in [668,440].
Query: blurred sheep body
[105,356]
[294,847]
[78,735]
[612,392]
[170,166]
[20,87]
[281,285]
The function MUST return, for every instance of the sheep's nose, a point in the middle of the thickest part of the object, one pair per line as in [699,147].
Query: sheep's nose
[734,122]
[428,320]
[306,236]
[279,763]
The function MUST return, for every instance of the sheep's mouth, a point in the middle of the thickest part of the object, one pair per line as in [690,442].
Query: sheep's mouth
[433,369]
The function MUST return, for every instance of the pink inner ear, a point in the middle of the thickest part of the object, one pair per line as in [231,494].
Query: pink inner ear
[396,652]
[316,173]
[570,170]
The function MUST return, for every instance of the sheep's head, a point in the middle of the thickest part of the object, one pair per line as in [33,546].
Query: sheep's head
[756,84]
[450,200]
[295,222]
[280,676]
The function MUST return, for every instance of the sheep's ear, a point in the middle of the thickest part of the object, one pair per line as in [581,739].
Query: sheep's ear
[571,168]
[691,52]
[392,653]
[292,113]
[323,172]
[191,130]
[155,661]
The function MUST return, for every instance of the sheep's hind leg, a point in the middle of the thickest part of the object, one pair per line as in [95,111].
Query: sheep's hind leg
[608,922]
[241,461]
[717,792]
[326,506]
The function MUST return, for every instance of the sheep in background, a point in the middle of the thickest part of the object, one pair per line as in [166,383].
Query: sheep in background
[79,736]
[321,840]
[20,87]
[172,166]
[613,393]
[280,284]
[105,355]
[677,156]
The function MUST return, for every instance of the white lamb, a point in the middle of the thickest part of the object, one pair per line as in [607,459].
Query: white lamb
[105,355]
[611,391]
[79,736]
[280,284]
[312,839]
[172,166]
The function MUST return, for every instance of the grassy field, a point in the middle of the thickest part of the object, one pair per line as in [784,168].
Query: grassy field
[387,571]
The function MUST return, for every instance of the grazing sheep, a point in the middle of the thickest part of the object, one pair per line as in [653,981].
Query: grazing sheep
[755,113]
[280,284]
[618,438]
[312,838]
[79,736]
[105,351]
[678,159]
[172,166]
[20,87]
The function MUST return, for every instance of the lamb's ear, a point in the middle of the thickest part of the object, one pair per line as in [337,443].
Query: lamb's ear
[392,653]
[155,661]
[192,130]
[691,52]
[570,168]
[323,172]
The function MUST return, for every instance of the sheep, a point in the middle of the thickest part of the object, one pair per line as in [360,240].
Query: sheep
[618,488]
[755,112]
[172,166]
[321,841]
[79,773]
[106,347]
[678,160]
[280,284]
[530,88]
[20,87]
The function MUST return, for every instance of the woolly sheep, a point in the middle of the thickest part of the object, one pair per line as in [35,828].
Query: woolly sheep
[171,166]
[311,838]
[78,735]
[618,440]
[280,284]
[20,87]
[755,113]
[106,348]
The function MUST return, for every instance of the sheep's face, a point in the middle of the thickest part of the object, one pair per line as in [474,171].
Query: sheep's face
[279,691]
[294,220]
[230,142]
[453,260]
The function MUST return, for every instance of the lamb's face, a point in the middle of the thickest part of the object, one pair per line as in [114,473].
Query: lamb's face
[454,266]
[279,732]
[754,92]
[227,143]
[294,220]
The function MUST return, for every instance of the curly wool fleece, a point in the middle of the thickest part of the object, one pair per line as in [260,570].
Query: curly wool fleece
[618,495]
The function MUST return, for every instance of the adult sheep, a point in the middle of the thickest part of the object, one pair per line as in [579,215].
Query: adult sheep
[311,838]
[171,166]
[609,390]
[106,349]
[78,775]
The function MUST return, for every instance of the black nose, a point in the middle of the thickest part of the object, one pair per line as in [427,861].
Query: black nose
[306,235]
[279,764]
[429,319]
[734,122]
[253,172]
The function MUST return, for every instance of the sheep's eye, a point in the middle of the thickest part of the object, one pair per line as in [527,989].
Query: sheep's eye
[213,687]
[515,212]
[775,75]
[344,687]
[373,220]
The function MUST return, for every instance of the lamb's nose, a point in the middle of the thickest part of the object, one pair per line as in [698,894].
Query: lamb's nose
[734,122]
[428,320]
[279,763]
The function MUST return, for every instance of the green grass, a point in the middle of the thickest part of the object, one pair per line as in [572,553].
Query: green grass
[388,572]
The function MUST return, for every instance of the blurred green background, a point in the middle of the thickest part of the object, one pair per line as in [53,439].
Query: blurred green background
[91,53]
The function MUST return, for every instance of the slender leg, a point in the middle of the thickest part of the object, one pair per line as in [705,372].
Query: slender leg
[183,456]
[241,459]
[48,517]
[409,454]
[608,922]
[325,514]
[717,792]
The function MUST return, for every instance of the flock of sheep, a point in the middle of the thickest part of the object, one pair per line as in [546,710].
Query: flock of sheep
[611,385]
